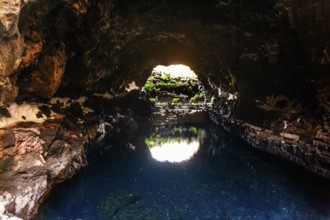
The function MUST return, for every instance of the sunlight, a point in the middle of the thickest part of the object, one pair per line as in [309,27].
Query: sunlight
[176,71]
[175,152]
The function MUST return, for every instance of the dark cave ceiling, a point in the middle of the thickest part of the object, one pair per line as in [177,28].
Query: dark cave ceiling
[257,50]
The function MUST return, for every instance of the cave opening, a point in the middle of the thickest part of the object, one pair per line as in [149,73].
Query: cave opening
[79,86]
[179,108]
[176,94]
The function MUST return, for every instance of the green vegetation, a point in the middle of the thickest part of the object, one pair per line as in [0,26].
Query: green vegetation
[150,141]
[212,100]
[164,82]
[165,78]
[151,86]
[175,100]
[194,130]
[153,99]
[197,97]
[155,139]
[161,86]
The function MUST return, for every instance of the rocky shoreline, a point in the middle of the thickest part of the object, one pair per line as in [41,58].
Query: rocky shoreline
[35,156]
[39,156]
[71,73]
[310,150]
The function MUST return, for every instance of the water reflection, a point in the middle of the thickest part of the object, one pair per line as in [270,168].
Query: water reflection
[175,151]
[232,182]
[176,144]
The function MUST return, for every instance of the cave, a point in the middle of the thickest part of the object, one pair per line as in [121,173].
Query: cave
[92,128]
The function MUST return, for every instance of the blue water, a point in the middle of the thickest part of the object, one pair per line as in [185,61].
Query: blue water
[223,180]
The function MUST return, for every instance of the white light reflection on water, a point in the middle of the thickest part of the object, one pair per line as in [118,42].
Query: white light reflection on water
[175,152]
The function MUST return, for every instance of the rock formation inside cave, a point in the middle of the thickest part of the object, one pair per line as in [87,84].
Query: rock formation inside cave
[66,64]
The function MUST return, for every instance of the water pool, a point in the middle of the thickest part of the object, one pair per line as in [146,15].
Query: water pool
[219,178]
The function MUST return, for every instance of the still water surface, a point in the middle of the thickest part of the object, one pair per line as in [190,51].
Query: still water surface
[187,173]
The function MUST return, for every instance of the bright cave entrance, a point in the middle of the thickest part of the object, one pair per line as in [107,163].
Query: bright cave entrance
[176,94]
[177,98]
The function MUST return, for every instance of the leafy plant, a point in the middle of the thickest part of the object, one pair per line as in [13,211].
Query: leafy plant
[151,86]
[194,130]
[155,139]
[166,78]
[175,100]
[153,99]
[197,96]
[212,100]
[150,141]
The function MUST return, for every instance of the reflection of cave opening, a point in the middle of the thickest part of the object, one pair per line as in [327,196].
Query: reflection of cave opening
[175,144]
[177,98]
[176,94]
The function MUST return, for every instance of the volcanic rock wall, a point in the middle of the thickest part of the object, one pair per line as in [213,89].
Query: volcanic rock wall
[265,63]
[272,56]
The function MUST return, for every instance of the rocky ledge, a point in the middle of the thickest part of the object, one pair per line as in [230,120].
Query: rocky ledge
[70,47]
[299,141]
[38,150]
[33,158]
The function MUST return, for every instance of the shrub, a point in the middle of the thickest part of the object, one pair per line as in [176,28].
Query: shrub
[175,100]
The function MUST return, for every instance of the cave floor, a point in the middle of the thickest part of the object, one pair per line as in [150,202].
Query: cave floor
[224,179]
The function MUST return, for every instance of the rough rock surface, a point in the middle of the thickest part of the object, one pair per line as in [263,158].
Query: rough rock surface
[39,156]
[11,48]
[311,22]
[36,155]
[303,143]
[266,65]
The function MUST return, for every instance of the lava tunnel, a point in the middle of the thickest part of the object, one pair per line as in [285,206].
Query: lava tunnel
[81,92]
